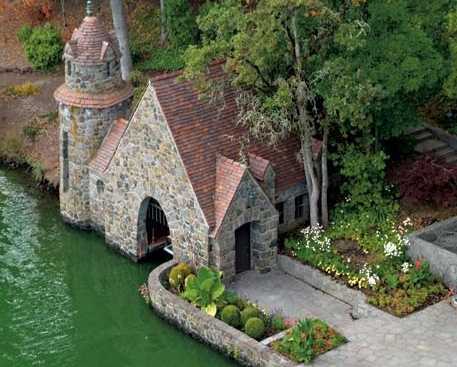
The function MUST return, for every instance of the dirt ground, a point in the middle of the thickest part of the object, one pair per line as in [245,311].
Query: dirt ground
[19,112]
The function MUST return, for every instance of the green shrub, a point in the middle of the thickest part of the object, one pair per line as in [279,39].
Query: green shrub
[164,59]
[43,46]
[205,290]
[255,328]
[249,312]
[181,24]
[231,316]
[24,33]
[278,323]
[178,275]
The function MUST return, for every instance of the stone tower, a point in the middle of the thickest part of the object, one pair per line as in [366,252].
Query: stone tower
[92,97]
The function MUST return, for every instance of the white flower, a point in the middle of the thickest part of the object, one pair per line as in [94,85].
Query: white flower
[405,267]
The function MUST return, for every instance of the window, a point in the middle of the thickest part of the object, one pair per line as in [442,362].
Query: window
[108,69]
[299,206]
[68,68]
[100,187]
[280,208]
[65,168]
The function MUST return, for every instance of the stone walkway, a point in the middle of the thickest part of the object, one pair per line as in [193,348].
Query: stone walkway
[426,338]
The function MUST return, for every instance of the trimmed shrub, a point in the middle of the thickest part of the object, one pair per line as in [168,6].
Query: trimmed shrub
[164,59]
[248,313]
[43,46]
[255,328]
[178,275]
[231,316]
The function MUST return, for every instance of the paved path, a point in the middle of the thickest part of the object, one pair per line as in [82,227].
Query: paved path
[426,338]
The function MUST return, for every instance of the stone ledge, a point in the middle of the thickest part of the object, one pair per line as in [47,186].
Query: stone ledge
[210,330]
[326,284]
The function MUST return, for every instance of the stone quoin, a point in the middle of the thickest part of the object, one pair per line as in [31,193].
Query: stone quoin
[178,170]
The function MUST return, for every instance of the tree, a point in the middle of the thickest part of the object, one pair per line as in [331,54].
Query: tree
[275,55]
[352,69]
[120,27]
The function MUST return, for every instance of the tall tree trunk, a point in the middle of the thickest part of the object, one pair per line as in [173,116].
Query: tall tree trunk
[120,26]
[163,33]
[324,172]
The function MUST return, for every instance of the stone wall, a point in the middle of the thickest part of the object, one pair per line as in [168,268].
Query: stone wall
[249,205]
[216,333]
[443,262]
[85,128]
[97,201]
[147,165]
[288,198]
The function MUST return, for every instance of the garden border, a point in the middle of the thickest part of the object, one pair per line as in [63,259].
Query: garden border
[210,330]
[315,278]
[442,262]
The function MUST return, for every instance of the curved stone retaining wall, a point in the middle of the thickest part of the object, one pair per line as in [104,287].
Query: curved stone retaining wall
[210,330]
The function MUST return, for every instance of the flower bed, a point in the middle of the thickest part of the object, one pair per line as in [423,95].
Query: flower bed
[371,257]
[205,290]
[300,341]
[307,340]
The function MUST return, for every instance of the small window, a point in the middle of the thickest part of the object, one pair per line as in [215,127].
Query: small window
[108,69]
[280,208]
[100,187]
[299,206]
[65,168]
[69,68]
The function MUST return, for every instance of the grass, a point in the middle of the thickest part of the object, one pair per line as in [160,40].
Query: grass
[22,90]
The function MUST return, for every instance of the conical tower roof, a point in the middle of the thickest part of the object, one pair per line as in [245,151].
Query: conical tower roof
[90,43]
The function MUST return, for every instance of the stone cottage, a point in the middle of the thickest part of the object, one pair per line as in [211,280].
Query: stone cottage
[171,171]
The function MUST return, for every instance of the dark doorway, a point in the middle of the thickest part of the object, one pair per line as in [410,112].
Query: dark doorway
[156,223]
[243,248]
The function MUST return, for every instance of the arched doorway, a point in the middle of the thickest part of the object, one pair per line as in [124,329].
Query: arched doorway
[153,231]
[243,248]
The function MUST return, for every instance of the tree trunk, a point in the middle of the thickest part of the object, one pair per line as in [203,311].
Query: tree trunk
[324,172]
[163,33]
[120,26]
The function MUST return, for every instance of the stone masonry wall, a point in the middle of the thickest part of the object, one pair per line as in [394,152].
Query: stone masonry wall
[216,333]
[250,205]
[86,129]
[288,198]
[93,78]
[147,165]
[97,201]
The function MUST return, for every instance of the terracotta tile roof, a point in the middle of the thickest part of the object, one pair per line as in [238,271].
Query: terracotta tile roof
[228,177]
[202,130]
[89,42]
[88,100]
[109,145]
[258,166]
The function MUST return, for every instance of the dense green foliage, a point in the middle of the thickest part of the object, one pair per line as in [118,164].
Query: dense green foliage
[255,327]
[43,46]
[248,313]
[308,339]
[205,290]
[163,59]
[178,274]
[181,24]
[231,315]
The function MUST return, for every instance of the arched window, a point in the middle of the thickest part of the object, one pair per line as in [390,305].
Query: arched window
[156,222]
[100,187]
[69,68]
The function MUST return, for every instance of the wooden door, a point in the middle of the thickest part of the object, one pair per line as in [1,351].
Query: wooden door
[243,248]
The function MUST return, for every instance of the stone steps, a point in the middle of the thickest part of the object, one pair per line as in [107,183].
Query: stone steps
[427,142]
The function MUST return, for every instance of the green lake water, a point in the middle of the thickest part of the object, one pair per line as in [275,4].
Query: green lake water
[68,300]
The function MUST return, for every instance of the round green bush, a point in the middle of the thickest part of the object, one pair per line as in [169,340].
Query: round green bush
[255,328]
[231,315]
[277,323]
[178,275]
[248,313]
[43,46]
